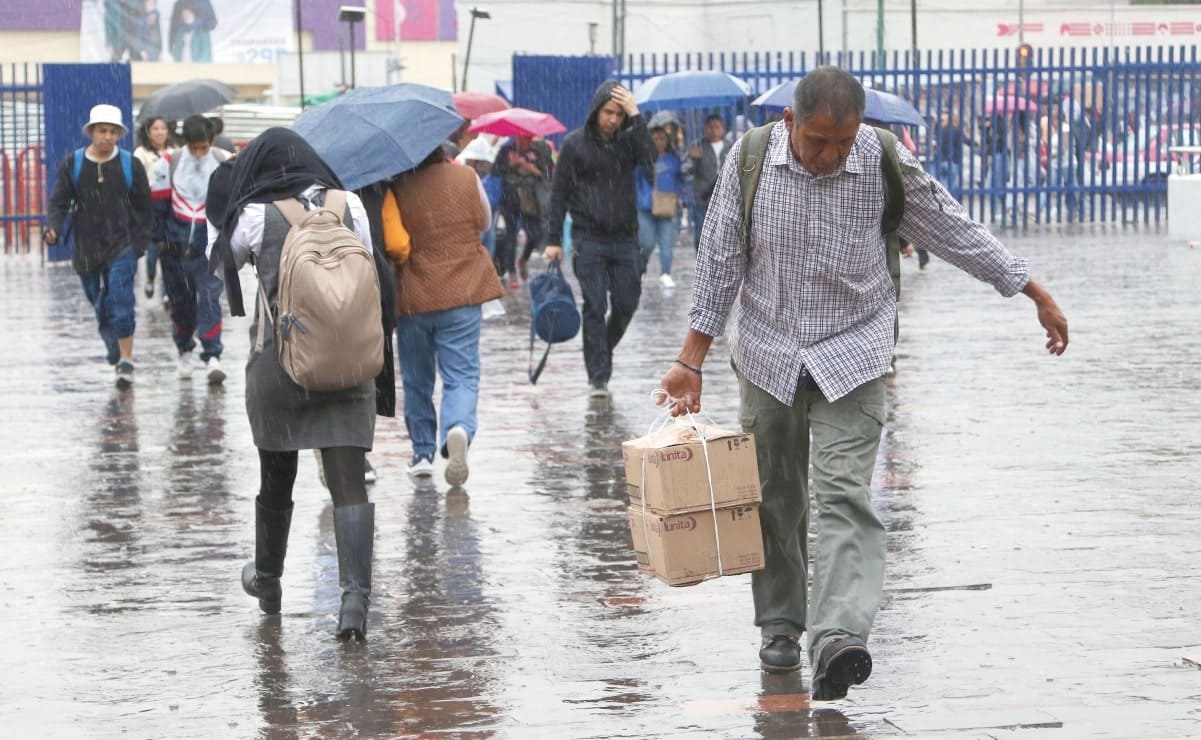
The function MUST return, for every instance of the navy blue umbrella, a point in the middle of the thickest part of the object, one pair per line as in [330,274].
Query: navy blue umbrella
[880,106]
[694,89]
[372,133]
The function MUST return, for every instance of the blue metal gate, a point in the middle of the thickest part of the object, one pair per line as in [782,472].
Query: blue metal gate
[42,109]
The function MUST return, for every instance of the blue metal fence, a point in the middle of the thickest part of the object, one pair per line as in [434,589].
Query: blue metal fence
[1058,135]
[561,86]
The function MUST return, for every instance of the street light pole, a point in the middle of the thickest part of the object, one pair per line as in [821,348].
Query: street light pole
[353,83]
[300,53]
[352,14]
[821,32]
[913,26]
[475,13]
[880,34]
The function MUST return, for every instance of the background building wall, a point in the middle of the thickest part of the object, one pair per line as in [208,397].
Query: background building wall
[427,42]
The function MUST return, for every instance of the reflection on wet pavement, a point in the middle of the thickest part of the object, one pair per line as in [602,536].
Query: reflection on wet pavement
[1043,573]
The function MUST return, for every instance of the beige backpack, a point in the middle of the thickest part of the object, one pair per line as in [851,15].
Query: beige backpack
[328,333]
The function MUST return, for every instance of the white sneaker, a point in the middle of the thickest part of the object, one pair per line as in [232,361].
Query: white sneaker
[369,474]
[599,390]
[215,374]
[666,281]
[124,373]
[185,365]
[421,467]
[456,449]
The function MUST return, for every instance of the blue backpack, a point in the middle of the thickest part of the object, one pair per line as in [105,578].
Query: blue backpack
[554,317]
[126,167]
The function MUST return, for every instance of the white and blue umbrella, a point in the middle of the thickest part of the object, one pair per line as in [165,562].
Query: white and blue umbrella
[693,89]
[880,106]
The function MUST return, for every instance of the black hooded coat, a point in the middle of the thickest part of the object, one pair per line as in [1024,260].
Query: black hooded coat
[594,177]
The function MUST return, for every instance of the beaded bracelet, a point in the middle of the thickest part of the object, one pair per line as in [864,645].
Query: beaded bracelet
[696,370]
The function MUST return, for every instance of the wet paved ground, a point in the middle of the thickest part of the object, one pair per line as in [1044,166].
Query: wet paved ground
[1044,575]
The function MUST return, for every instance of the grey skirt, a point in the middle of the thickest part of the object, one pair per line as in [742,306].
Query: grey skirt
[286,417]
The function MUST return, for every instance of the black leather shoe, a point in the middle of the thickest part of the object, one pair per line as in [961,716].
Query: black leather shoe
[781,654]
[844,663]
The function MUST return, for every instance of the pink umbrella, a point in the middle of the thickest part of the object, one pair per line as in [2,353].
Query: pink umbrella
[517,122]
[475,104]
[1009,104]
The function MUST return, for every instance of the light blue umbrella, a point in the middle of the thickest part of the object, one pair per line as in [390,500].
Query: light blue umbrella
[880,106]
[372,133]
[694,89]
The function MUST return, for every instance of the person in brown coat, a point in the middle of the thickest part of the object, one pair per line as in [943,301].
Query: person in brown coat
[439,289]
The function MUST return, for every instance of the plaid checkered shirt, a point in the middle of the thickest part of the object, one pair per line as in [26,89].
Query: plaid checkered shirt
[816,295]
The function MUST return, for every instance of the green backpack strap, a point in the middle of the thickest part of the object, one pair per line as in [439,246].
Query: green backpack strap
[750,167]
[894,203]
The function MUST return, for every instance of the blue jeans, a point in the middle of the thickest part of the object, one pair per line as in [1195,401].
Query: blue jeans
[445,343]
[697,213]
[656,231]
[111,295]
[151,262]
[607,271]
[998,181]
[488,238]
[950,175]
[195,295]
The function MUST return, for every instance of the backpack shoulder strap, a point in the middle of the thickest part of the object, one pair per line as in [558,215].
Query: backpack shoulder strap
[172,164]
[894,183]
[127,169]
[77,167]
[291,210]
[750,167]
[894,202]
[335,200]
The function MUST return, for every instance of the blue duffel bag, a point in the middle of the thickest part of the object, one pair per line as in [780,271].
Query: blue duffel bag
[554,317]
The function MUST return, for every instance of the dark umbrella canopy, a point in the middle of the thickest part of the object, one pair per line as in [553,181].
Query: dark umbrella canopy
[183,99]
[373,133]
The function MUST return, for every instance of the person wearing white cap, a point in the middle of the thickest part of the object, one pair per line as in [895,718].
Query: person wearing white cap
[479,155]
[101,202]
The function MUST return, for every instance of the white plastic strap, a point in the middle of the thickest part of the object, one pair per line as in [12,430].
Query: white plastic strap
[264,317]
[661,397]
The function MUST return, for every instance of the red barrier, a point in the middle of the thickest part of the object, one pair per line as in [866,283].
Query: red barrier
[31,185]
[9,202]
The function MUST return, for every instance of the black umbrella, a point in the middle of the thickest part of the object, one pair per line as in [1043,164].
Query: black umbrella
[184,99]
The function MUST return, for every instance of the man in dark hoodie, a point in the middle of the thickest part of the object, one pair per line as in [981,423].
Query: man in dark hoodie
[594,181]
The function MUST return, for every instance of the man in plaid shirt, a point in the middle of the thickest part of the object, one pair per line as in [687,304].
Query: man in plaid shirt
[814,338]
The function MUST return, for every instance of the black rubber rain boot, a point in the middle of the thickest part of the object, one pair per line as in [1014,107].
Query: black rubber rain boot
[260,578]
[354,530]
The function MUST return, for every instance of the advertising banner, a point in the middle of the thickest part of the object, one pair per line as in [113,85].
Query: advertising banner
[233,31]
[415,20]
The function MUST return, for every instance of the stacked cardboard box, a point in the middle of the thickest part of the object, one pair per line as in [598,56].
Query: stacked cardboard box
[694,502]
